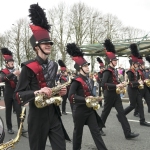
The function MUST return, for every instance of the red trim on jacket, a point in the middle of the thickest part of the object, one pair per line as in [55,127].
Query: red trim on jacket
[85,86]
[17,98]
[141,74]
[37,69]
[63,78]
[12,83]
[114,78]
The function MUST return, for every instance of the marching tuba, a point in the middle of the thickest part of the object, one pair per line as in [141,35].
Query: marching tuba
[11,143]
[41,99]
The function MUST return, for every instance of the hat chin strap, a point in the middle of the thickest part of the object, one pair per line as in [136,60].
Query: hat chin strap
[112,64]
[83,70]
[42,50]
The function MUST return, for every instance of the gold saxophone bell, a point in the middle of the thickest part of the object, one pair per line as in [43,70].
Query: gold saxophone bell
[122,90]
[147,82]
[141,86]
[92,102]
[41,100]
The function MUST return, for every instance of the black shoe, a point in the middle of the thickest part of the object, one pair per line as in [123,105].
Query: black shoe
[64,113]
[145,124]
[132,135]
[24,131]
[137,115]
[102,133]
[10,131]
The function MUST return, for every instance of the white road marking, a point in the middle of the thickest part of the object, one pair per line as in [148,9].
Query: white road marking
[135,121]
[2,107]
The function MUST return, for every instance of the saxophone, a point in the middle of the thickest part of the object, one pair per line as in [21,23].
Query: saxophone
[41,99]
[11,143]
[141,86]
[147,82]
[122,90]
[93,102]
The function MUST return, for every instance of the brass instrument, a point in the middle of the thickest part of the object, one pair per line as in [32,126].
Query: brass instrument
[93,102]
[11,143]
[41,99]
[141,86]
[122,90]
[147,82]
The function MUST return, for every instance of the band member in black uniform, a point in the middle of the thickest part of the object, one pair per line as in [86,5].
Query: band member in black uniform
[79,90]
[135,83]
[9,76]
[100,75]
[38,77]
[62,79]
[111,98]
[145,91]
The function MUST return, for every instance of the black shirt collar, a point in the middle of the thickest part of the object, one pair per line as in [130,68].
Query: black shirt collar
[112,68]
[40,60]
[84,77]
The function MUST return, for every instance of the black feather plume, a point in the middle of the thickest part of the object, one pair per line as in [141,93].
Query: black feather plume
[38,16]
[109,46]
[140,57]
[74,50]
[148,58]
[134,50]
[61,63]
[99,60]
[6,51]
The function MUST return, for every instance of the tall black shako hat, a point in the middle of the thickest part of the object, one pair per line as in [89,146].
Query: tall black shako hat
[133,58]
[100,62]
[7,54]
[40,27]
[74,51]
[62,66]
[110,51]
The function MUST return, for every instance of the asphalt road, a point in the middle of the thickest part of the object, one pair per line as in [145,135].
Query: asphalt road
[114,138]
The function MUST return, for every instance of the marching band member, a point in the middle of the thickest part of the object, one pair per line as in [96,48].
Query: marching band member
[62,79]
[79,90]
[110,83]
[100,76]
[145,91]
[135,82]
[9,75]
[38,76]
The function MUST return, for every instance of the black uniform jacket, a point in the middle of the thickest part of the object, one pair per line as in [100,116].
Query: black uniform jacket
[77,95]
[10,81]
[133,77]
[28,83]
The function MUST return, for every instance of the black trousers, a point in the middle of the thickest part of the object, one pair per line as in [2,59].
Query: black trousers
[9,103]
[111,99]
[89,119]
[135,98]
[64,102]
[38,135]
[145,93]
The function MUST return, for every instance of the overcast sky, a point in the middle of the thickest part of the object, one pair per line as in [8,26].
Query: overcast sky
[134,13]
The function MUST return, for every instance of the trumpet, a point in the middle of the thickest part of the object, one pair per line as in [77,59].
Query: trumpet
[93,102]
[41,99]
